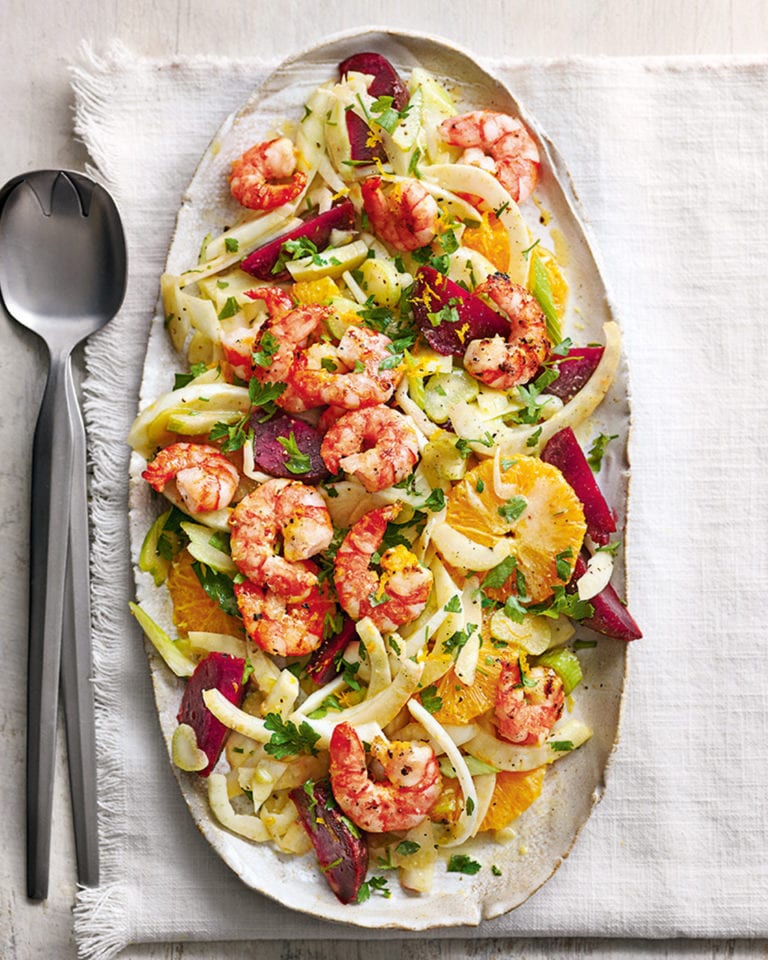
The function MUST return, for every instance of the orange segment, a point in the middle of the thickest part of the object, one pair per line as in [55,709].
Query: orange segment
[193,609]
[550,527]
[513,793]
[557,282]
[315,291]
[491,239]
[449,804]
[460,703]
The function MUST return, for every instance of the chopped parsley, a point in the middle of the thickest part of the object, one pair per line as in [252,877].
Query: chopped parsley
[562,566]
[462,863]
[597,450]
[182,379]
[385,114]
[268,347]
[296,461]
[448,313]
[406,848]
[230,308]
[435,501]
[453,605]
[231,244]
[287,739]
[499,575]
[513,509]
[430,700]
[234,435]
[458,640]
[374,885]
[218,586]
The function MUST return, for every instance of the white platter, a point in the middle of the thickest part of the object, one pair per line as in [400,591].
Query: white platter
[546,832]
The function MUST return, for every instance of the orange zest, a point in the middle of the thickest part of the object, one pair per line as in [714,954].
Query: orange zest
[193,609]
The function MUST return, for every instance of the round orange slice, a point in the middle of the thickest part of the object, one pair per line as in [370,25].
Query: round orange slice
[538,512]
[193,609]
[512,794]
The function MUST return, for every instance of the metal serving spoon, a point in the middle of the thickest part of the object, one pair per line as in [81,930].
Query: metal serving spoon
[62,275]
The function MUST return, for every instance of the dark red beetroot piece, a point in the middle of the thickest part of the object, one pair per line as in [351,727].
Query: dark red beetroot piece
[432,291]
[611,617]
[261,262]
[322,664]
[271,456]
[224,673]
[341,849]
[363,148]
[563,451]
[386,83]
[386,80]
[575,368]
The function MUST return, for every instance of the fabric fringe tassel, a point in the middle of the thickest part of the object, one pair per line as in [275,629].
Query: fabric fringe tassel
[98,913]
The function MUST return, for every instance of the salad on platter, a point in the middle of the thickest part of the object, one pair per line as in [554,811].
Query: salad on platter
[379,538]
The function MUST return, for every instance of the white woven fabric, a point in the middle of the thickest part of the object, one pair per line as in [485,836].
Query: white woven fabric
[670,160]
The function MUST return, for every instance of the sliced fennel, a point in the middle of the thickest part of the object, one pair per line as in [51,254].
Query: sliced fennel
[180,664]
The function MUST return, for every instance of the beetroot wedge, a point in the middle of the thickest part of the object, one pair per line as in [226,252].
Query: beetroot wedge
[322,664]
[611,616]
[222,672]
[574,369]
[365,146]
[340,847]
[386,80]
[448,316]
[563,451]
[263,261]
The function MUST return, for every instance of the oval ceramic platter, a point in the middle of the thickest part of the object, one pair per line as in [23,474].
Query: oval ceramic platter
[544,834]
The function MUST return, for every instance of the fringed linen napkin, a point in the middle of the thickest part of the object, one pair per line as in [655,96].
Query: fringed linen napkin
[670,160]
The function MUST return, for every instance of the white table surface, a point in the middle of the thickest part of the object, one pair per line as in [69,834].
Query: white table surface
[39,37]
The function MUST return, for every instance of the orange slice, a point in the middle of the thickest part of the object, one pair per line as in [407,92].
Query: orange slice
[449,804]
[315,291]
[546,533]
[512,794]
[557,282]
[461,703]
[193,609]
[491,239]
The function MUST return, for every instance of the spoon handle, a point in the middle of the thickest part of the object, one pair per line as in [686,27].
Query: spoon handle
[51,489]
[76,662]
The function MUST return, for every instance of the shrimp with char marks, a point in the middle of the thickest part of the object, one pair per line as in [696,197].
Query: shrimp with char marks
[528,704]
[280,508]
[376,445]
[499,144]
[278,348]
[239,344]
[400,595]
[358,380]
[406,217]
[412,786]
[503,364]
[205,479]
[265,177]
[282,626]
